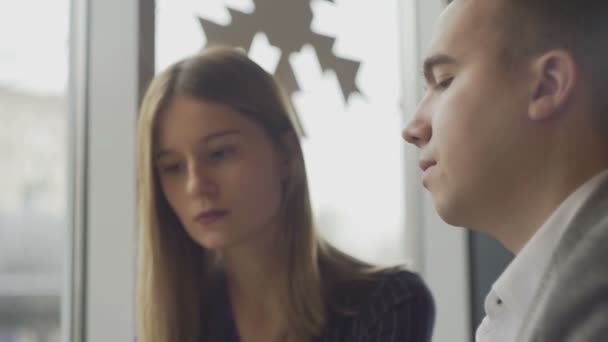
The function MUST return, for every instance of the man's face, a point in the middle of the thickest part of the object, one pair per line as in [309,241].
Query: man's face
[471,125]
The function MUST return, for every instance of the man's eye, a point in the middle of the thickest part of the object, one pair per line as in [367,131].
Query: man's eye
[444,84]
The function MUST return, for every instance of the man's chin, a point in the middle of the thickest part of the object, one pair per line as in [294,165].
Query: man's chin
[447,211]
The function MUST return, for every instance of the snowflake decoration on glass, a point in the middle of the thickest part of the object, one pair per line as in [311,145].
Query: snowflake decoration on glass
[287,24]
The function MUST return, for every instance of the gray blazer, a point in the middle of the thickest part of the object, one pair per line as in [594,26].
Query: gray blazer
[571,304]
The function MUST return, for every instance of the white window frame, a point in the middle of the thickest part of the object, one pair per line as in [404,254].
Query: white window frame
[104,93]
[107,54]
[440,251]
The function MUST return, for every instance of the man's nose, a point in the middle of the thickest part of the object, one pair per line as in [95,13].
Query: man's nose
[418,130]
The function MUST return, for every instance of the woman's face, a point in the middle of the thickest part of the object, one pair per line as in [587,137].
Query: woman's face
[219,171]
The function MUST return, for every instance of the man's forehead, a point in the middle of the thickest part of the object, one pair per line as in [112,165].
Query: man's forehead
[464,21]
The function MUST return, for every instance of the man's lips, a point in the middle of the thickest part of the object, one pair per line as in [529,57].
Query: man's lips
[426,163]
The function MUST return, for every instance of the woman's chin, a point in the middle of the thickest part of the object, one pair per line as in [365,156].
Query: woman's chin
[213,241]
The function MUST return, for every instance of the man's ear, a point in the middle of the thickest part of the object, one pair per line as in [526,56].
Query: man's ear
[555,75]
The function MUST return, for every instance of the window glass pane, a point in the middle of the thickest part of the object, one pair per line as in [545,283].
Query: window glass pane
[33,160]
[340,62]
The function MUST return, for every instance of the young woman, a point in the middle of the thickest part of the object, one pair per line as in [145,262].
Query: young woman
[227,246]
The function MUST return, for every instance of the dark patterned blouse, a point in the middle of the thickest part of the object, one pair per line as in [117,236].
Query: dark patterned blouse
[396,307]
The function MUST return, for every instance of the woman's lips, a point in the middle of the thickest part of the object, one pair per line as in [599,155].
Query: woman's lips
[210,216]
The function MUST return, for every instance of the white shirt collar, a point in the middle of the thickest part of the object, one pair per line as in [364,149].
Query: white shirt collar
[516,287]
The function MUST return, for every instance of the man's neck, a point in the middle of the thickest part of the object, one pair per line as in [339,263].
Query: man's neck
[534,203]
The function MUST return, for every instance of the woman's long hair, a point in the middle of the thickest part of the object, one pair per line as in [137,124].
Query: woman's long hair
[173,271]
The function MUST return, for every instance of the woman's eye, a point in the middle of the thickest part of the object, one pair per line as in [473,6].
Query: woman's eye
[170,169]
[218,155]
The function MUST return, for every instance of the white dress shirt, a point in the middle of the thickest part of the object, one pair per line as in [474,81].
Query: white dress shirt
[509,299]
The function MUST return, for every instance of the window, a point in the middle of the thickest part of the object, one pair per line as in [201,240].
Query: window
[344,58]
[33,160]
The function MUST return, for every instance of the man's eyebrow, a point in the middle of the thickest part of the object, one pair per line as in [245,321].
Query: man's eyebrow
[433,61]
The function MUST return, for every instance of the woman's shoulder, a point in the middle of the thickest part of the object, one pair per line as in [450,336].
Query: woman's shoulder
[387,302]
[381,290]
[396,286]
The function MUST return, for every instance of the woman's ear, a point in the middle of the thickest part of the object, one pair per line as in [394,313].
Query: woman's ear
[555,76]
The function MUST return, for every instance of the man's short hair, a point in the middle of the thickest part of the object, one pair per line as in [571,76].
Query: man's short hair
[578,26]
